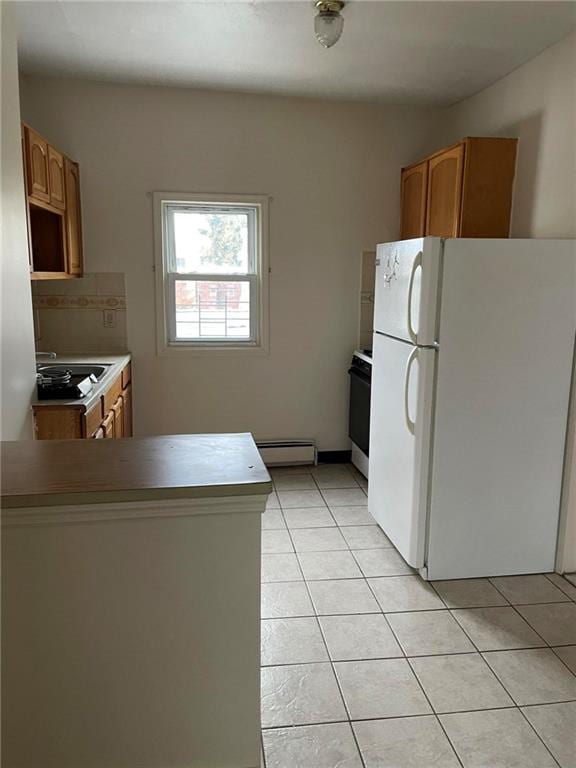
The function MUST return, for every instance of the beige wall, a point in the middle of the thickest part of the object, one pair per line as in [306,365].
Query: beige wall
[536,103]
[17,371]
[333,171]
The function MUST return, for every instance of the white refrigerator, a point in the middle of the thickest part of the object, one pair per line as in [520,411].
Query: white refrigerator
[472,363]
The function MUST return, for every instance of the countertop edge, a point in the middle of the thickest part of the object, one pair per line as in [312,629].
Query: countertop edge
[92,498]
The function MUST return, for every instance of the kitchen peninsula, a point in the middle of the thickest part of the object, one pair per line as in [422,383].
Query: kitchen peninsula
[131,573]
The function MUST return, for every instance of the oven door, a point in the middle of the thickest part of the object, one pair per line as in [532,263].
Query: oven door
[359,423]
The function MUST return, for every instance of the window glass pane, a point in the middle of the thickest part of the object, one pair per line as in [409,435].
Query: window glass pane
[211,242]
[212,310]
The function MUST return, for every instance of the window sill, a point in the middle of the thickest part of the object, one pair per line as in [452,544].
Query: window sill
[212,350]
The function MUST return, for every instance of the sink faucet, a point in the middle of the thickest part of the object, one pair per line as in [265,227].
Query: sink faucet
[51,355]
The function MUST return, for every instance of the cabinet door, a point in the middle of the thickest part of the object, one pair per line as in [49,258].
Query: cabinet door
[413,201]
[445,192]
[73,218]
[37,166]
[118,409]
[127,410]
[56,178]
[108,425]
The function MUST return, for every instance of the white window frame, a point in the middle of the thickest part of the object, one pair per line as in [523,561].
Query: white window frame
[166,341]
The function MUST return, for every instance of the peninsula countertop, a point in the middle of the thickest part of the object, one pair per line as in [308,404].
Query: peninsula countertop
[58,472]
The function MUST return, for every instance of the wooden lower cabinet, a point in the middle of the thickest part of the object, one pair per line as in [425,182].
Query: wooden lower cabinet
[110,417]
[108,425]
[127,411]
[118,411]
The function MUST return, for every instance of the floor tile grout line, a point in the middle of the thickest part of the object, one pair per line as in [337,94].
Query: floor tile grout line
[403,654]
[488,650]
[546,704]
[568,584]
[499,590]
[403,717]
[477,651]
[263,757]
[340,689]
[416,676]
[553,649]
[541,648]
[332,667]
[421,610]
[503,650]
[530,625]
[542,703]
[540,739]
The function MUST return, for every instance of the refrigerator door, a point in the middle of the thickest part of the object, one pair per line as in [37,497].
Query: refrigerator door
[406,300]
[400,435]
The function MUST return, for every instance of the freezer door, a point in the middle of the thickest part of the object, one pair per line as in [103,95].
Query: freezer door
[407,289]
[400,436]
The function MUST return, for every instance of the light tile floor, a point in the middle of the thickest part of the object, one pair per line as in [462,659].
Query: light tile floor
[364,665]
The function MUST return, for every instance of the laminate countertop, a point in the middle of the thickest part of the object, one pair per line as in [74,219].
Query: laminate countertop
[58,472]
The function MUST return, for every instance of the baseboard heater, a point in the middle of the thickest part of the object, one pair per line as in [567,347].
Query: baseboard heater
[277,453]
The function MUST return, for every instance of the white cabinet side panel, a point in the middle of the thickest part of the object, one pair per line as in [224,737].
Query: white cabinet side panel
[507,331]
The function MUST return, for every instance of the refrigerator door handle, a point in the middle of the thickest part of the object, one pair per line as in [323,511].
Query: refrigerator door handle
[409,423]
[417,264]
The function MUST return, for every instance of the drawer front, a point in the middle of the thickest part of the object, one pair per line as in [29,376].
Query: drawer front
[112,394]
[126,375]
[93,419]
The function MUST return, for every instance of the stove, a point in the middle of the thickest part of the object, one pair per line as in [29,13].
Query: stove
[62,384]
[359,416]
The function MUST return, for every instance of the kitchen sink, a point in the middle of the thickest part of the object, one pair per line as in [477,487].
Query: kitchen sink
[76,369]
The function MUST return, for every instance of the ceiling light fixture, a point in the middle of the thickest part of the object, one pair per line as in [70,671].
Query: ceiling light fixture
[328,24]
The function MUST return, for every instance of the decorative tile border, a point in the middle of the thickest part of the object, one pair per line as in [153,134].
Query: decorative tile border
[79,302]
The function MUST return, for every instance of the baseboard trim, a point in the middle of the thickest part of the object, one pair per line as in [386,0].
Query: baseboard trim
[334,457]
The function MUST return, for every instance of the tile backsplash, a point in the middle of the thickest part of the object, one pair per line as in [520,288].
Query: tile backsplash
[367,299]
[87,314]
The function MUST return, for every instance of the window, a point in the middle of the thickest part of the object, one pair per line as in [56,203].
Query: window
[212,272]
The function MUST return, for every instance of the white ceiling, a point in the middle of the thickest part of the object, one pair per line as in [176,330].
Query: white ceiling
[397,52]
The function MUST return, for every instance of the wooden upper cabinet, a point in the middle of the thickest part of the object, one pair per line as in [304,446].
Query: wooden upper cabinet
[56,178]
[73,220]
[53,208]
[444,192]
[462,191]
[413,190]
[37,174]
[489,167]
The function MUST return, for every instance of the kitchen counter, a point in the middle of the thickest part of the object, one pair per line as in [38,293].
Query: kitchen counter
[55,472]
[117,363]
[131,601]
